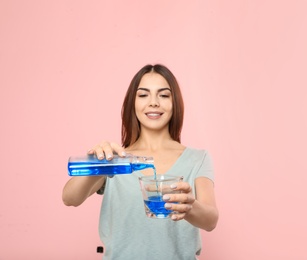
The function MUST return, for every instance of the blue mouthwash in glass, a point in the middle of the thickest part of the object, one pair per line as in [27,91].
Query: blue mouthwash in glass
[156,206]
[89,165]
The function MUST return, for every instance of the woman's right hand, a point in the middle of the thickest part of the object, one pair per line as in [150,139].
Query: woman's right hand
[106,150]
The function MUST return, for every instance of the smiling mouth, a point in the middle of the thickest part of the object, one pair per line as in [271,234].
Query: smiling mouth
[153,114]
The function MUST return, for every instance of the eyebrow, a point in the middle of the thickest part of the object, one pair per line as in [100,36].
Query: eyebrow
[159,90]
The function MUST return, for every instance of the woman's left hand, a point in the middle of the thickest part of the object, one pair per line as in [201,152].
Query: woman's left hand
[180,202]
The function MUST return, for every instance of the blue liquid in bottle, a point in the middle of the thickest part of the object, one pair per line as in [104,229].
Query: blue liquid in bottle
[91,166]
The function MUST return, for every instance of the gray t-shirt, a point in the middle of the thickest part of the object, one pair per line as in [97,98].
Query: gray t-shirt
[127,233]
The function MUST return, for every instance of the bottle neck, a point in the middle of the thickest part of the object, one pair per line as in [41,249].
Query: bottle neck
[139,163]
[142,160]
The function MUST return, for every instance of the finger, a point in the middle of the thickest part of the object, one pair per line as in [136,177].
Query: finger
[182,186]
[118,149]
[91,151]
[98,150]
[181,208]
[177,216]
[179,197]
[107,149]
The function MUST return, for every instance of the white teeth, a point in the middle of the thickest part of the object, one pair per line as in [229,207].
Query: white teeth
[153,114]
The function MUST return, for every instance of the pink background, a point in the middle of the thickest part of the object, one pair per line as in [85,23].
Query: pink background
[64,70]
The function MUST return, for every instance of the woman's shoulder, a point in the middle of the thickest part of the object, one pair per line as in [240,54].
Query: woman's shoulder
[196,150]
[196,153]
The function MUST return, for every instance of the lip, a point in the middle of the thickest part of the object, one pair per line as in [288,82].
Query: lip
[154,114]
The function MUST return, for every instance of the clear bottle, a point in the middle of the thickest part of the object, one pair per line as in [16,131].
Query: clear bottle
[89,165]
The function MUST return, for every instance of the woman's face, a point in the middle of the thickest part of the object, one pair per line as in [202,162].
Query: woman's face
[153,102]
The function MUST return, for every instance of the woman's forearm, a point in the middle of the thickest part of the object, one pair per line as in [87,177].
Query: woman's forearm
[202,216]
[78,189]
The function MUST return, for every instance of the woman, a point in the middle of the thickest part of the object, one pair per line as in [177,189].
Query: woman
[152,118]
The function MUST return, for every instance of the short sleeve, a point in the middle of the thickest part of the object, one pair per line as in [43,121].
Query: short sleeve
[205,166]
[101,190]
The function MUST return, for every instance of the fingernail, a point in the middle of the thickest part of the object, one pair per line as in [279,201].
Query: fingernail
[124,154]
[174,217]
[167,205]
[173,186]
[100,156]
[166,197]
[109,156]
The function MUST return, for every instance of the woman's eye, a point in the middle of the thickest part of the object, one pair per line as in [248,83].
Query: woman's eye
[142,95]
[164,95]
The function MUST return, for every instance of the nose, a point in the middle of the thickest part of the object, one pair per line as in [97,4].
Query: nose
[154,101]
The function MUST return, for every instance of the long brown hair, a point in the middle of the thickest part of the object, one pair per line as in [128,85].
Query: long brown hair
[130,124]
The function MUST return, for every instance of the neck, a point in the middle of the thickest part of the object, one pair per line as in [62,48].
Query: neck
[152,141]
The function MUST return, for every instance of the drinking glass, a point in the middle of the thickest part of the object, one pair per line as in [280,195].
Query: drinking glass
[153,188]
